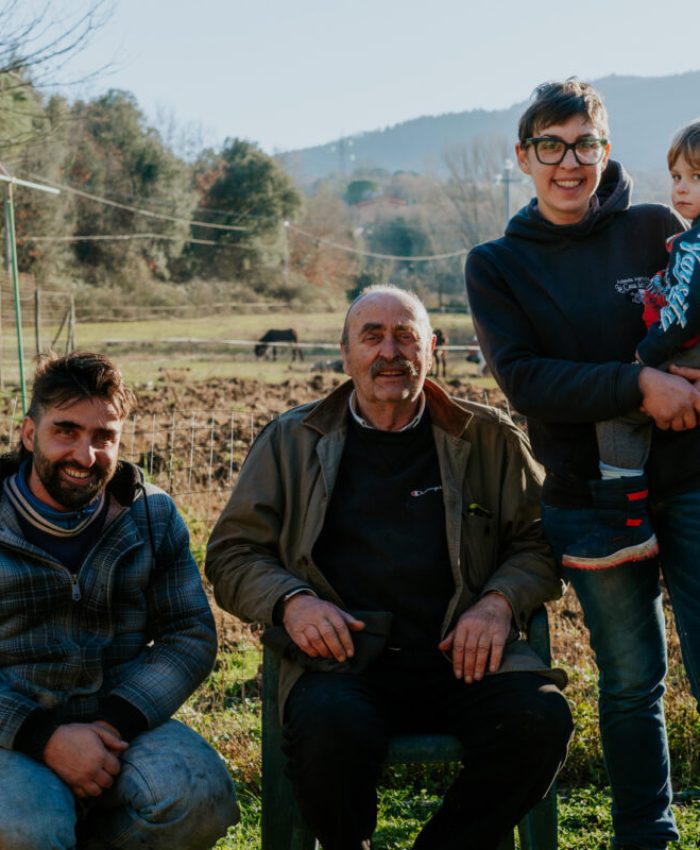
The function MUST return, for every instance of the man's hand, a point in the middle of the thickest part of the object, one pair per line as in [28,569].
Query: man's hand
[671,400]
[320,628]
[85,756]
[687,372]
[479,636]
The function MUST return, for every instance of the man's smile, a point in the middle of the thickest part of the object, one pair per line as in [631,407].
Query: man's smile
[77,472]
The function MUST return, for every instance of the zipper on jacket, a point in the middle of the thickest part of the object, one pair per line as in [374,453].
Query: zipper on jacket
[75,587]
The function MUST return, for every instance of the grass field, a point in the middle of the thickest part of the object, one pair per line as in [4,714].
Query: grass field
[227,708]
[227,711]
[143,350]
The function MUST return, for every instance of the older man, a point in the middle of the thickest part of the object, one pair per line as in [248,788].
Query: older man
[388,496]
[104,631]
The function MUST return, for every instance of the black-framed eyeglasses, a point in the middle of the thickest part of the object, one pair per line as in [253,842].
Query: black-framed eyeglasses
[551,150]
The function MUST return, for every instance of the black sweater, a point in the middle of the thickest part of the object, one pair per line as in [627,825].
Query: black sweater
[558,313]
[383,546]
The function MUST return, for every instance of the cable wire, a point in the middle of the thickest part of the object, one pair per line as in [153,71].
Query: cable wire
[349,250]
[138,210]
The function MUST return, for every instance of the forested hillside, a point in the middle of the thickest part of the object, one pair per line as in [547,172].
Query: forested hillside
[136,223]
[644,113]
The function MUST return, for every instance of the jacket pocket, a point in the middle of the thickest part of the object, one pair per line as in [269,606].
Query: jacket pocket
[479,549]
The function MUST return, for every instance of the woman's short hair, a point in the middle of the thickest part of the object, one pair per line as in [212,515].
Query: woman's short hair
[556,102]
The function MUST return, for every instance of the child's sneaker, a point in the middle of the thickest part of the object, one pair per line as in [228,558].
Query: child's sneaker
[622,532]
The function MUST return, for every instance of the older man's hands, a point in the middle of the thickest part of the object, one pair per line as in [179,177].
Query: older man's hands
[479,637]
[320,628]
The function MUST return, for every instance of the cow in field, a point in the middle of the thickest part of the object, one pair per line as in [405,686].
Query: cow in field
[440,353]
[274,335]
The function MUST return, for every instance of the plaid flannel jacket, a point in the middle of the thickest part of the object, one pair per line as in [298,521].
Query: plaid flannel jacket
[131,621]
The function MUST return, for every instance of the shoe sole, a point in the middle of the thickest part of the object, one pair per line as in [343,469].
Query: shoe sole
[640,552]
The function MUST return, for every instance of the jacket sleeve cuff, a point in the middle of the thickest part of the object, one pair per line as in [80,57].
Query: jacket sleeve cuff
[278,610]
[34,734]
[629,396]
[123,716]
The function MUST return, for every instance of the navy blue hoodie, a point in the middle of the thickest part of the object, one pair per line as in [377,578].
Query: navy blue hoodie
[558,314]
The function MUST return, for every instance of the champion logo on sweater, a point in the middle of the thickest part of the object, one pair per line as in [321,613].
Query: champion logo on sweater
[417,493]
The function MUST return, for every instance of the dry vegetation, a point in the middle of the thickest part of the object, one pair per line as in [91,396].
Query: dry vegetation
[191,437]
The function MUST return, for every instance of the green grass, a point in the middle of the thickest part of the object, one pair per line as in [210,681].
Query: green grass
[226,710]
[142,350]
[311,327]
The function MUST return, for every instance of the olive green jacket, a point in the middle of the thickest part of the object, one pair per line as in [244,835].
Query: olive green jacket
[261,546]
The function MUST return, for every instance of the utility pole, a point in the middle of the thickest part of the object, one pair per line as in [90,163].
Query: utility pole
[285,267]
[507,178]
[11,261]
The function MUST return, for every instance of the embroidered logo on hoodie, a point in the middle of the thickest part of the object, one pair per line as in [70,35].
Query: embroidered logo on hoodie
[633,287]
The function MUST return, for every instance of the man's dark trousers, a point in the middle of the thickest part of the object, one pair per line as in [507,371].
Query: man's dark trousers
[515,728]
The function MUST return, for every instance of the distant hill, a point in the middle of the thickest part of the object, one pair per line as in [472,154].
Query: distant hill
[644,113]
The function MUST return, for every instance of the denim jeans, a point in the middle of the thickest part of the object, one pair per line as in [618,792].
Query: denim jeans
[622,610]
[173,791]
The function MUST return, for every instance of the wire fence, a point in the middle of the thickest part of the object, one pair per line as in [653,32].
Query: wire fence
[194,455]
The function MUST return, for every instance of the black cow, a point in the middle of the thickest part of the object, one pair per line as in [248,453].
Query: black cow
[440,353]
[275,335]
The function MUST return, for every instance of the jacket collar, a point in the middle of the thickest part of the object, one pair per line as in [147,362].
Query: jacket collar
[331,412]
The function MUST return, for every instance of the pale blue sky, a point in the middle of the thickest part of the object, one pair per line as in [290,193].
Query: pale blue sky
[294,74]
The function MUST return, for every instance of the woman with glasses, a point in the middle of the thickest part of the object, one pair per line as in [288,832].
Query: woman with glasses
[557,305]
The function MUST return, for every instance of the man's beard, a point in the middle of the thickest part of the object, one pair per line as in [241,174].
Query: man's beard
[70,496]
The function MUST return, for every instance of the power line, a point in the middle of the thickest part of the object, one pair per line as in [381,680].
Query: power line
[225,227]
[138,210]
[115,238]
[350,250]
[327,346]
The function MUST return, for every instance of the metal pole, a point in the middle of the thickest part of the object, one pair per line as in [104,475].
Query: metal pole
[286,254]
[37,319]
[12,245]
[70,345]
[507,180]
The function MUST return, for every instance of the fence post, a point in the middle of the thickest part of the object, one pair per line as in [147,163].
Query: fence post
[70,342]
[37,319]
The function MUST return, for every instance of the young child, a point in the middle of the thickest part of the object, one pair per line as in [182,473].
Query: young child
[623,532]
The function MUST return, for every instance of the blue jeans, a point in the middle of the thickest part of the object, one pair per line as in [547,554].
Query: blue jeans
[173,791]
[622,610]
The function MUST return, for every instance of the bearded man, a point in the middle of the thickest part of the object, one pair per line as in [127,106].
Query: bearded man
[104,631]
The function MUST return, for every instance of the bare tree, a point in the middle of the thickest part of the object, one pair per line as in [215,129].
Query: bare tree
[36,43]
[471,188]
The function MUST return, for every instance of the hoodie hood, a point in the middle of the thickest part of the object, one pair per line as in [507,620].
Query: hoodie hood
[613,195]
